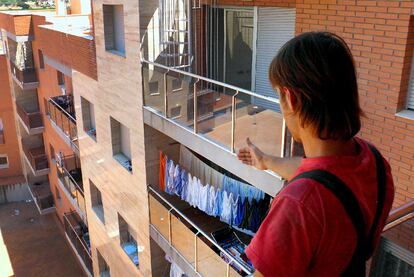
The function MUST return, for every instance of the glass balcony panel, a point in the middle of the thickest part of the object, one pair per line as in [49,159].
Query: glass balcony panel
[260,121]
[159,216]
[153,83]
[180,101]
[209,263]
[183,239]
[214,112]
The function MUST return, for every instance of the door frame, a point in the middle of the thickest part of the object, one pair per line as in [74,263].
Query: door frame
[254,40]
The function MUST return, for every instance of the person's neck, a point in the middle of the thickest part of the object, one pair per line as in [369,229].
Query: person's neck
[316,147]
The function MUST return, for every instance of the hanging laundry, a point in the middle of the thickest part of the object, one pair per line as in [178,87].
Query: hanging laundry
[169,184]
[162,171]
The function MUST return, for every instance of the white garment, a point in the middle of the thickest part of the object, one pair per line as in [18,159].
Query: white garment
[212,200]
[227,213]
[203,197]
[195,191]
[170,181]
[188,197]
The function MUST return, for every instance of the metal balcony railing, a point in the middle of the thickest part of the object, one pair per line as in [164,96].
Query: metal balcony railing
[222,113]
[42,195]
[400,215]
[61,111]
[78,235]
[70,174]
[31,119]
[36,157]
[24,76]
[191,242]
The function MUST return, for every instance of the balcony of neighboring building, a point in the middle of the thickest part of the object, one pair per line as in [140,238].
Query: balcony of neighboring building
[2,141]
[39,189]
[70,179]
[61,112]
[21,64]
[35,155]
[77,235]
[29,113]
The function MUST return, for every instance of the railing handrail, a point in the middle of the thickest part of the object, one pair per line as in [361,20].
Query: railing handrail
[198,77]
[71,178]
[80,240]
[61,109]
[246,270]
[400,215]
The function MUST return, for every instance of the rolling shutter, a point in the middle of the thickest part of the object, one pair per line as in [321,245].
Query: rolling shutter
[275,26]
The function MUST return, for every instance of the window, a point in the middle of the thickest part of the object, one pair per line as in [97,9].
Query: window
[393,260]
[176,112]
[410,100]
[52,153]
[127,241]
[60,77]
[114,29]
[177,85]
[1,132]
[2,46]
[41,61]
[88,117]
[4,161]
[104,270]
[121,146]
[96,199]
[153,88]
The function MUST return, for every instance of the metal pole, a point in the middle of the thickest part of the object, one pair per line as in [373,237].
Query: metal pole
[165,94]
[284,134]
[195,106]
[233,121]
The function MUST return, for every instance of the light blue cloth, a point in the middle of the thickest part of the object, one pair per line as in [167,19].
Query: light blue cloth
[130,248]
[219,203]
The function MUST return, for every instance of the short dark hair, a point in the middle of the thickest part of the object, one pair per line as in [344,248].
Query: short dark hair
[318,68]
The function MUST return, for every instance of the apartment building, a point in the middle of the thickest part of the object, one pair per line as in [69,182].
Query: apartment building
[106,92]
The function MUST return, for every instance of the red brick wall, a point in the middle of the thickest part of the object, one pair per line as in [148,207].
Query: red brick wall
[75,52]
[19,25]
[11,145]
[378,35]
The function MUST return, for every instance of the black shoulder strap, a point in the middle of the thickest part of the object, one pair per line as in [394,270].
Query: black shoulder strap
[365,246]
[382,184]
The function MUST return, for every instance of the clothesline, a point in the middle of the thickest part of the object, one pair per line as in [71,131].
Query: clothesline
[235,203]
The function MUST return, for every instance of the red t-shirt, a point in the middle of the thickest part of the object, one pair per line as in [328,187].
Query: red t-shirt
[307,231]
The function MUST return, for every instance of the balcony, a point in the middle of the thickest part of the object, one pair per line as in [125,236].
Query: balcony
[70,178]
[2,137]
[42,196]
[77,235]
[26,78]
[36,157]
[179,233]
[31,118]
[195,110]
[61,113]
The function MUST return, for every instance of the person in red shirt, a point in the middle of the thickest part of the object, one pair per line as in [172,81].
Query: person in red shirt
[308,231]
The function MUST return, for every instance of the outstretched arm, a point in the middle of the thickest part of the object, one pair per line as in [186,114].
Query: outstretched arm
[252,155]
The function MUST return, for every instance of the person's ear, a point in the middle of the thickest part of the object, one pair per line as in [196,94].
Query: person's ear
[290,99]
